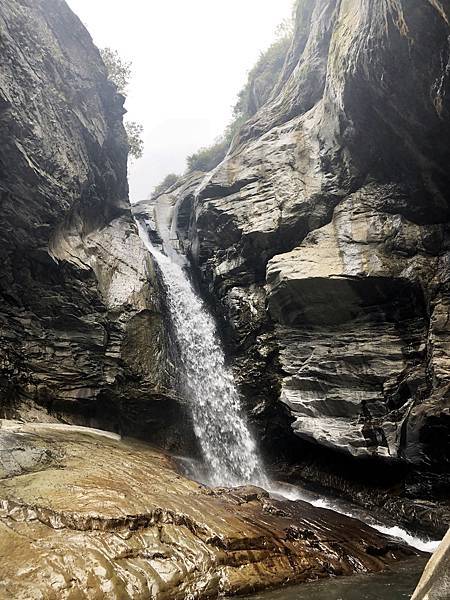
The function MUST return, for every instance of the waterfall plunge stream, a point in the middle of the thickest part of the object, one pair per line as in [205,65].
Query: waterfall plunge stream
[228,448]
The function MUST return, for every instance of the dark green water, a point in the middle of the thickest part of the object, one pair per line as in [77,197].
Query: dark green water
[398,585]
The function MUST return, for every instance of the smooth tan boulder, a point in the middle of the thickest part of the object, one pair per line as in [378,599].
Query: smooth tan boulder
[435,581]
[87,515]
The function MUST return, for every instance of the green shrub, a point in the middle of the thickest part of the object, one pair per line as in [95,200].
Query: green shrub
[209,157]
[262,79]
[260,82]
[135,142]
[168,181]
[119,72]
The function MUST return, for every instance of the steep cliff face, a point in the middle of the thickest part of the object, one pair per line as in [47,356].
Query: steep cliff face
[81,327]
[322,239]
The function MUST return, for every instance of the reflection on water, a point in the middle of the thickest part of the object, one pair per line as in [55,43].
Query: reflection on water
[398,585]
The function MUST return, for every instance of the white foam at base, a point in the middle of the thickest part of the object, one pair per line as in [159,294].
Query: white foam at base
[415,542]
[293,493]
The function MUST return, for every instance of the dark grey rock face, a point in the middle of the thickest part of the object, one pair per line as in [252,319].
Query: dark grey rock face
[82,336]
[322,240]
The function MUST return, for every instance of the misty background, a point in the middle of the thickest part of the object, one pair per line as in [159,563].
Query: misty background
[190,59]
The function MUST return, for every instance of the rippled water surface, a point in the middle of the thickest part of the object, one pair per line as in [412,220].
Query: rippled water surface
[398,585]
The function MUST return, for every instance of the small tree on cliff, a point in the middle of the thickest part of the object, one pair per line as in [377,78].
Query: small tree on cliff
[261,81]
[119,72]
[168,181]
[135,142]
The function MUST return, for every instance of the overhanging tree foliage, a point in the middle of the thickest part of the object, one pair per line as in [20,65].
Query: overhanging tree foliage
[119,72]
[135,142]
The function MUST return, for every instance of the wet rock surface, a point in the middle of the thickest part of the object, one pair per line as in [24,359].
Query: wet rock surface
[82,334]
[322,244]
[85,514]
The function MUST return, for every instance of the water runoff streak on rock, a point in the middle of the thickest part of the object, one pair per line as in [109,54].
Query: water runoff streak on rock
[228,447]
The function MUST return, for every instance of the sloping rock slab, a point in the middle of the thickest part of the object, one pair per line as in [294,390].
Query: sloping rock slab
[86,515]
[435,581]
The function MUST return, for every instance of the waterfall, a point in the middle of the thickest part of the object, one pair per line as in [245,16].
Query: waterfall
[228,448]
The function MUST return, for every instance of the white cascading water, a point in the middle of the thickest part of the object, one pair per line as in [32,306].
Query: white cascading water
[228,448]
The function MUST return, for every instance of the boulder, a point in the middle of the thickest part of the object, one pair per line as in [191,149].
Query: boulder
[435,581]
[84,513]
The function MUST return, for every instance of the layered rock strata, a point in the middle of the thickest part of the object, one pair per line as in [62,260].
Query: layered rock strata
[84,514]
[82,335]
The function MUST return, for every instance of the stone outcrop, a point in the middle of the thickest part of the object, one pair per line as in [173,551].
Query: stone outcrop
[86,514]
[82,335]
[322,242]
[435,581]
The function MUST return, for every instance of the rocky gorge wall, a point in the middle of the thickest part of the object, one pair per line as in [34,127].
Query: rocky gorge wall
[85,339]
[322,243]
[82,336]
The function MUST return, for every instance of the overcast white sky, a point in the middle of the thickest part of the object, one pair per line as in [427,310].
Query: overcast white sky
[190,58]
